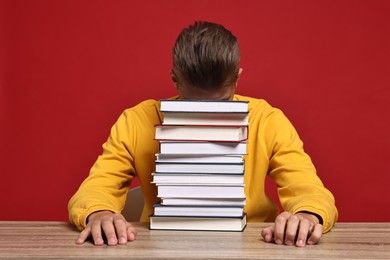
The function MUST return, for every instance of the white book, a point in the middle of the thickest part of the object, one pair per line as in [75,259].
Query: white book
[201,158]
[204,118]
[179,178]
[198,223]
[204,201]
[198,211]
[221,133]
[203,105]
[200,191]
[232,168]
[171,147]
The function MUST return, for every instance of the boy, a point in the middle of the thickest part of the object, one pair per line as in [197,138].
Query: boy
[206,66]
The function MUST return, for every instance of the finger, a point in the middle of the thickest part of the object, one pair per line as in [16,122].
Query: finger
[267,233]
[96,232]
[121,229]
[303,232]
[291,229]
[109,230]
[84,235]
[280,227]
[316,235]
[131,232]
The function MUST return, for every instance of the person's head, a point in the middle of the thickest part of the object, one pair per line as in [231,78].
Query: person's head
[206,59]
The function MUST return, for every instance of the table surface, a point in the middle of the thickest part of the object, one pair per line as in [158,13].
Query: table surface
[56,240]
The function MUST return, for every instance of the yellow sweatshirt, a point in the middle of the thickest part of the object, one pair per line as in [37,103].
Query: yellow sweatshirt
[274,149]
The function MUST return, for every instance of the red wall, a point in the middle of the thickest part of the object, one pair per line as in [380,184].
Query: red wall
[68,69]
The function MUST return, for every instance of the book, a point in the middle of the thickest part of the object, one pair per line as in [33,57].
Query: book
[201,158]
[220,133]
[200,191]
[198,223]
[214,106]
[232,168]
[196,179]
[204,118]
[198,211]
[172,147]
[204,201]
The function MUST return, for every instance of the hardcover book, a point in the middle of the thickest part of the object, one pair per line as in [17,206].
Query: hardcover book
[204,118]
[221,133]
[199,158]
[204,201]
[200,191]
[198,211]
[233,168]
[197,179]
[172,147]
[213,106]
[198,223]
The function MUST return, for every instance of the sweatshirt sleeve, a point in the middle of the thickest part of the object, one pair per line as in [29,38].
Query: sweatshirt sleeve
[299,187]
[107,184]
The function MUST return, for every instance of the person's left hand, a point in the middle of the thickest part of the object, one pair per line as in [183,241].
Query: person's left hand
[299,228]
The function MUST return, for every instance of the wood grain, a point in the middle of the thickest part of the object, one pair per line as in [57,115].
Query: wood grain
[56,240]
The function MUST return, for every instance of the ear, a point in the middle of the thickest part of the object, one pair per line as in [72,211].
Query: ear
[173,77]
[239,75]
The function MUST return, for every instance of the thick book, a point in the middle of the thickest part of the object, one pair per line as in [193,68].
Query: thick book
[196,179]
[200,191]
[221,133]
[204,118]
[198,223]
[204,201]
[199,158]
[215,106]
[198,211]
[171,147]
[232,168]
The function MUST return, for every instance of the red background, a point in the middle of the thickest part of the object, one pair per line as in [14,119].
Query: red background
[69,68]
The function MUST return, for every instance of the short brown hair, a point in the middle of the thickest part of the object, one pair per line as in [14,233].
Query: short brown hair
[206,55]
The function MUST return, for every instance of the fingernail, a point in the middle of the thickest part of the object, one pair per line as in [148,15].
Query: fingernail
[131,236]
[289,243]
[309,242]
[300,242]
[112,241]
[98,241]
[278,241]
[122,241]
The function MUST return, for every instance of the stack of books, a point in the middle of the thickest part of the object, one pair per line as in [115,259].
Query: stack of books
[200,166]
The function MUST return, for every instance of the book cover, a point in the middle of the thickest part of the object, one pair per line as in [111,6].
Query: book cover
[221,133]
[198,223]
[203,105]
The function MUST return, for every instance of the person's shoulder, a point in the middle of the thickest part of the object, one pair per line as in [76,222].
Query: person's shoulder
[143,106]
[148,104]
[256,104]
[149,108]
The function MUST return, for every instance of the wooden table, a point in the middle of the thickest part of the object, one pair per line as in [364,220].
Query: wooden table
[56,240]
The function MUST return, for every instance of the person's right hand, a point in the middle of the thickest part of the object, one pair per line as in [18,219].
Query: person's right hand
[114,226]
